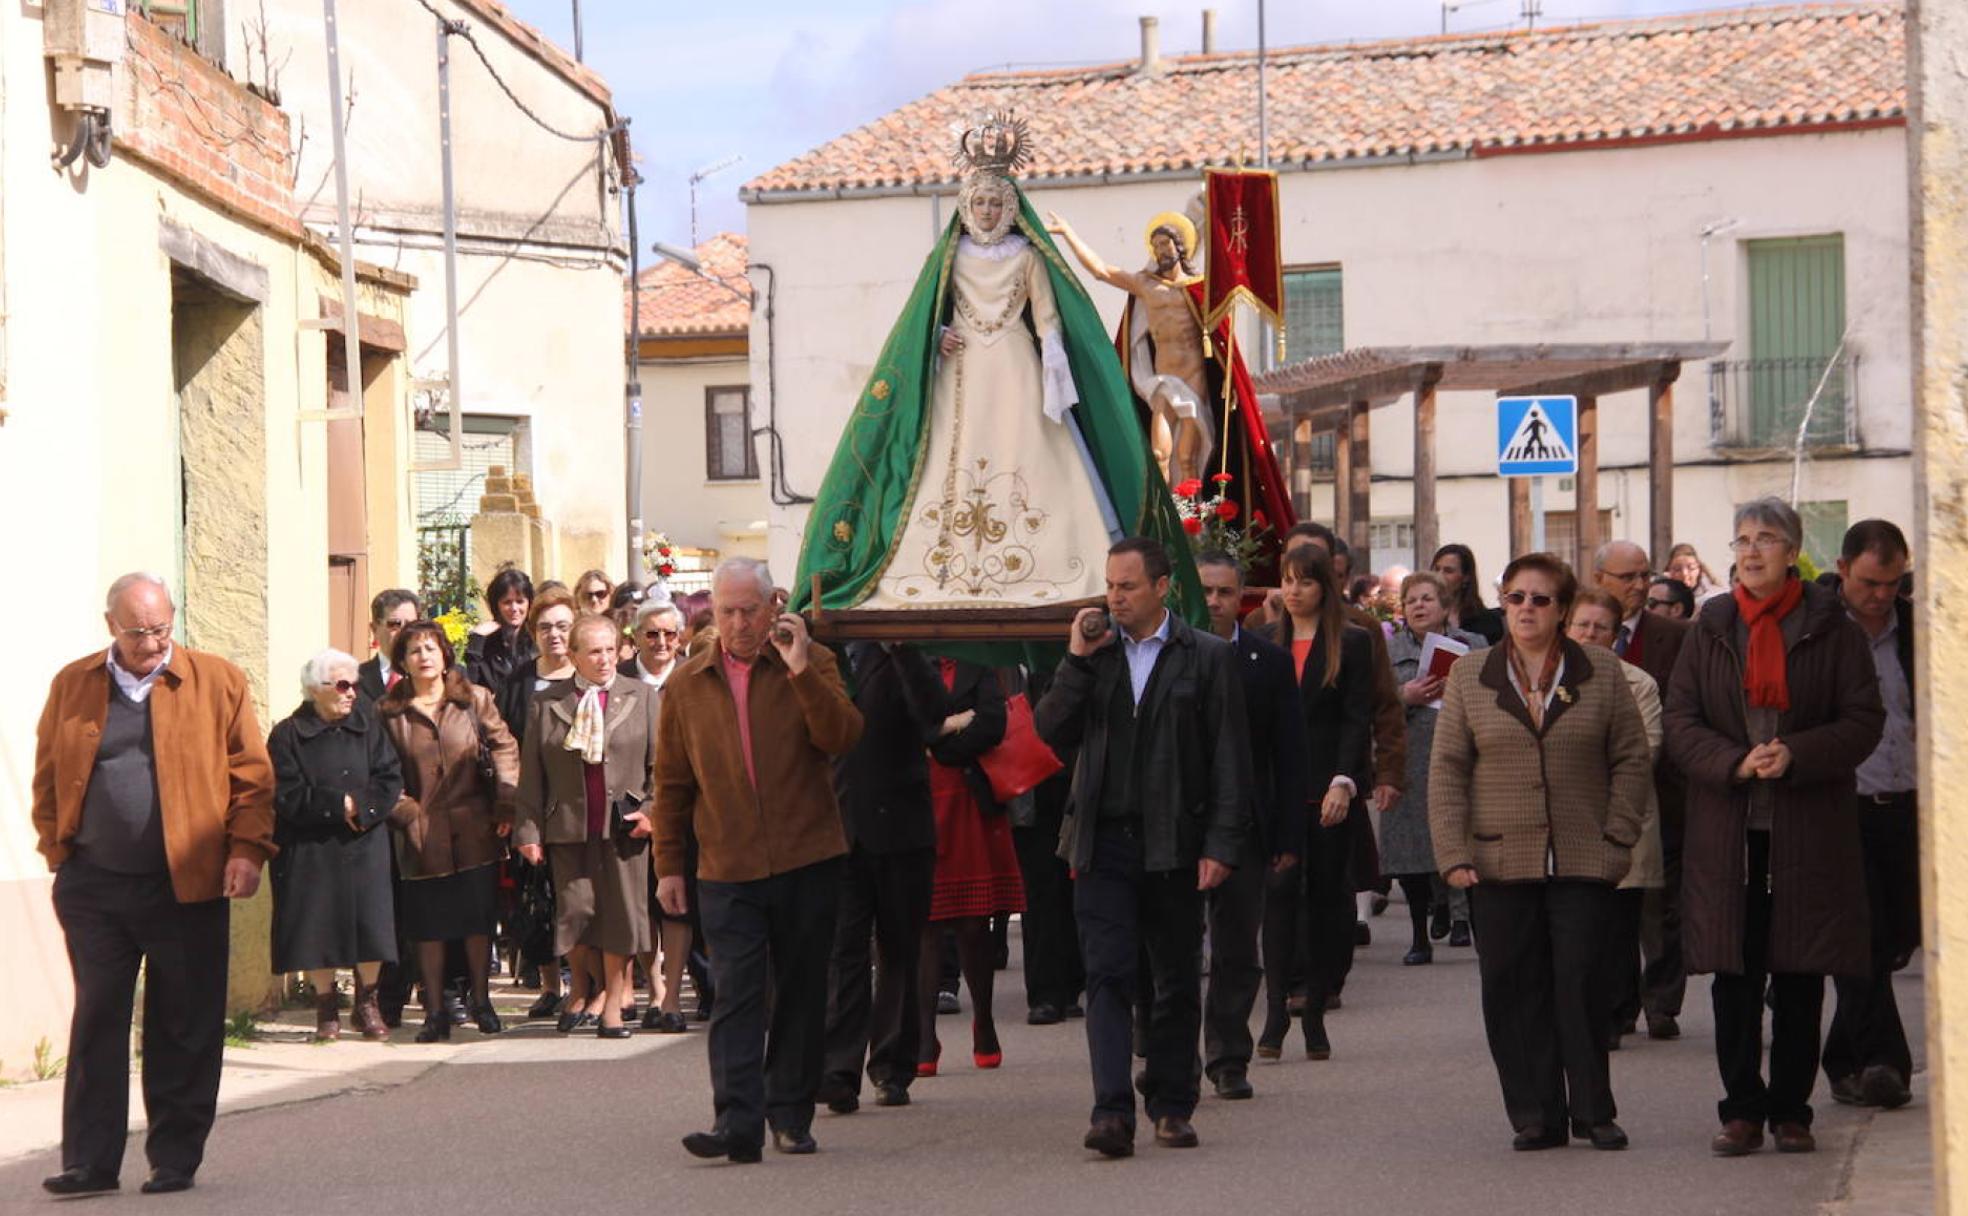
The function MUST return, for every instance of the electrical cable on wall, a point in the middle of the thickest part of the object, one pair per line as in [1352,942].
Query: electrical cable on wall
[460,30]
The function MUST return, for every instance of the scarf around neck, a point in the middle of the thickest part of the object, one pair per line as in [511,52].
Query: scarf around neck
[588,737]
[1765,676]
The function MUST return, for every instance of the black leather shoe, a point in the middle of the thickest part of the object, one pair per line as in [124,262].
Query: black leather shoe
[614,1032]
[1233,1086]
[1044,1015]
[546,1007]
[165,1181]
[487,1019]
[1459,933]
[454,1008]
[435,1030]
[80,1180]
[1110,1137]
[838,1097]
[629,1011]
[797,1143]
[1438,922]
[891,1095]
[1075,1010]
[1606,1136]
[1663,1026]
[1173,1131]
[708,1145]
[1317,1045]
[1848,1091]
[1883,1088]
[1420,956]
[1362,933]
[1533,1139]
[571,1022]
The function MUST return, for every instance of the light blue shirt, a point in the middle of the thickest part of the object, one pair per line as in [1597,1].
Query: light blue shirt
[1892,767]
[1141,656]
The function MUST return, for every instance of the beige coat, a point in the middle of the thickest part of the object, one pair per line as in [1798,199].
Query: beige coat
[1525,805]
[553,794]
[1649,872]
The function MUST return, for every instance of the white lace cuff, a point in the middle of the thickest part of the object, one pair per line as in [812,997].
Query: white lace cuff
[1060,392]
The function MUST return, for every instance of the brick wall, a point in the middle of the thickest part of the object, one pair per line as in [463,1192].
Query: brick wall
[187,119]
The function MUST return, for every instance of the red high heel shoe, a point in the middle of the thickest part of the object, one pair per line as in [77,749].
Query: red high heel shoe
[984,1059]
[927,1068]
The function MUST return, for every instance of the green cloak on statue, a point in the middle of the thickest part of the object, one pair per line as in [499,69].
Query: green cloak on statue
[953,484]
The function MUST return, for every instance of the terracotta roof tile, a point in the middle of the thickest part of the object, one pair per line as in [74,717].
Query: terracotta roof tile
[679,302]
[1803,66]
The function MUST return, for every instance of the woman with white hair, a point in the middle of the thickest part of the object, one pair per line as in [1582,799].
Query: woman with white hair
[337,777]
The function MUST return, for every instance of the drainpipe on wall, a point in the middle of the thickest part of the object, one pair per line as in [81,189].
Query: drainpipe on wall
[632,391]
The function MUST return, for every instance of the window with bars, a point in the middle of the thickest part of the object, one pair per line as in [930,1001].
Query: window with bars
[1314,313]
[451,495]
[1796,321]
[1824,531]
[728,449]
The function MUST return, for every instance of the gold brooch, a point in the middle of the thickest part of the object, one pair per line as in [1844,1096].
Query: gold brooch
[1564,694]
[843,531]
[880,390]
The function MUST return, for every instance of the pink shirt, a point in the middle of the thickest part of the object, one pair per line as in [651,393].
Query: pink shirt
[738,673]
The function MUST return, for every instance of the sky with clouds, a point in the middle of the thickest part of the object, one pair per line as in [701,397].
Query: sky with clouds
[770,79]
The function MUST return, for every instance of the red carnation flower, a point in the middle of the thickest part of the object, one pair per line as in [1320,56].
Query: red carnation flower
[1223,479]
[1226,510]
[1192,526]
[1190,488]
[1258,520]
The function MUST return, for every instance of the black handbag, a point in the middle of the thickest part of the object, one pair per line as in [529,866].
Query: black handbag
[488,769]
[620,830]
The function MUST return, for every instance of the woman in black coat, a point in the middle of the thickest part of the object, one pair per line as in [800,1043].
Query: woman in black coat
[337,777]
[1335,666]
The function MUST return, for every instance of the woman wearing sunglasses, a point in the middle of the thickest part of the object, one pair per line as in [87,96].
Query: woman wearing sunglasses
[1773,706]
[337,779]
[1538,786]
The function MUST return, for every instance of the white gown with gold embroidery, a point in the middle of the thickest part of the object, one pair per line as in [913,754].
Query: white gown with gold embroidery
[1005,512]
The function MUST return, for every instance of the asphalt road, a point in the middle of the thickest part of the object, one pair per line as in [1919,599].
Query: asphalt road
[1404,1118]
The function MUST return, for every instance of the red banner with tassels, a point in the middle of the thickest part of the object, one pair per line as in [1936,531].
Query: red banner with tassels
[1245,261]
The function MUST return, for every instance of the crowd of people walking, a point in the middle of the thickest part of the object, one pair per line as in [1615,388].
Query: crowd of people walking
[1610,780]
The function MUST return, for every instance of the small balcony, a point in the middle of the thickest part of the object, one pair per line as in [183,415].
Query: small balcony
[1758,405]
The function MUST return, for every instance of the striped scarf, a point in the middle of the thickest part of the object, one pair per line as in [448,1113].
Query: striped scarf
[587,737]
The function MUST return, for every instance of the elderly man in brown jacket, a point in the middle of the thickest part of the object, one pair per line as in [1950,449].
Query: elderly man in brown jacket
[153,802]
[743,752]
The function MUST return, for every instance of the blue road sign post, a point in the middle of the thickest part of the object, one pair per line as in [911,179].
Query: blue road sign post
[1537,437]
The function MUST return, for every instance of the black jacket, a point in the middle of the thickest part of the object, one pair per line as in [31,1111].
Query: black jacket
[977,688]
[316,762]
[516,693]
[491,657]
[1339,718]
[883,780]
[1276,724]
[1189,746]
[369,685]
[1902,639]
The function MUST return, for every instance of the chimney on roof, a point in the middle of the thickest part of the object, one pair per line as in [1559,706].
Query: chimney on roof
[1151,46]
[1209,31]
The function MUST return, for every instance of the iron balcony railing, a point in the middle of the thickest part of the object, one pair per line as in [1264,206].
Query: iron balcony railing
[1758,404]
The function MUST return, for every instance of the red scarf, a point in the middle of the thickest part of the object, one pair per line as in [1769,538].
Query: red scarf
[1764,674]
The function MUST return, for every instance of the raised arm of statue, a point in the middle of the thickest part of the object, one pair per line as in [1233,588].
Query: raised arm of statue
[1125,280]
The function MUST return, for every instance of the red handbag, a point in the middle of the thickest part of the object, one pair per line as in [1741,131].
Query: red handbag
[1021,760]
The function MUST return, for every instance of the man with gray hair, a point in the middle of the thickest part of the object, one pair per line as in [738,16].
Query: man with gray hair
[743,760]
[147,844]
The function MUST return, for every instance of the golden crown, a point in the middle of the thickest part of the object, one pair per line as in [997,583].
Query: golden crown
[1000,144]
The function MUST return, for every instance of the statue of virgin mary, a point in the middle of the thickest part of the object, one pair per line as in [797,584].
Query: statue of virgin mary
[994,453]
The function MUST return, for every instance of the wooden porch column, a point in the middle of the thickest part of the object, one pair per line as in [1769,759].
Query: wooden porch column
[1301,467]
[1660,465]
[1343,472]
[1359,488]
[1520,515]
[1586,499]
[1427,524]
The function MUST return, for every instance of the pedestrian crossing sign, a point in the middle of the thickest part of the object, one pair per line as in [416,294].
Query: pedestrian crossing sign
[1537,436]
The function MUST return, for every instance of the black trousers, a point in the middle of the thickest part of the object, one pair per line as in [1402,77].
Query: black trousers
[1866,1028]
[1309,915]
[112,923]
[1537,949]
[1051,941]
[1796,1007]
[774,933]
[884,897]
[1121,909]
[1664,977]
[1622,959]
[1236,915]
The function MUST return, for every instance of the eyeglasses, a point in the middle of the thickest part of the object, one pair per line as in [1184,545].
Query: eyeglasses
[594,595]
[155,633]
[556,626]
[1538,599]
[1763,541]
[656,635]
[342,686]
